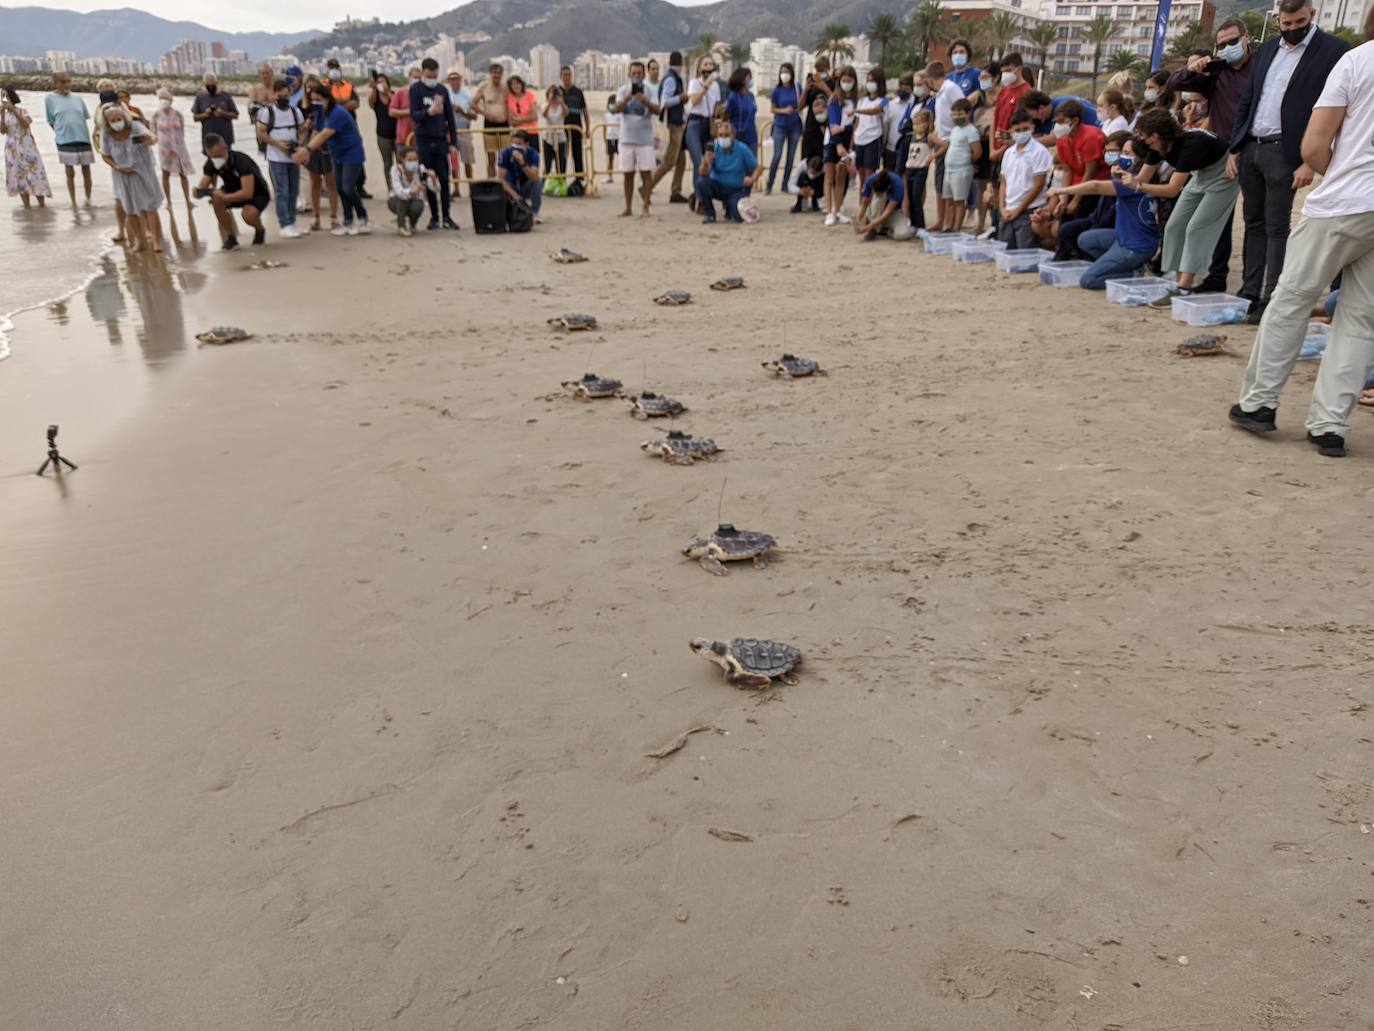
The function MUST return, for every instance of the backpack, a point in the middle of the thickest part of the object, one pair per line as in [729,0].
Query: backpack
[297,123]
[519,217]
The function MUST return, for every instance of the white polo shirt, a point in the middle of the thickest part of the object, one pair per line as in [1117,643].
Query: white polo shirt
[1020,166]
[1347,188]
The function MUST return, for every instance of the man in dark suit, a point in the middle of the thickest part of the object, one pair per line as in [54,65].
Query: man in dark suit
[1290,72]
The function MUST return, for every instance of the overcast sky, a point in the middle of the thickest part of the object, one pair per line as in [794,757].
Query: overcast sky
[274,16]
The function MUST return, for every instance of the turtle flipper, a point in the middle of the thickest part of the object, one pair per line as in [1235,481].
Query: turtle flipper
[713,565]
[757,681]
[760,561]
[680,459]
[640,414]
[791,679]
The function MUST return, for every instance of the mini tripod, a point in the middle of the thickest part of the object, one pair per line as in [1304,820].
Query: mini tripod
[54,459]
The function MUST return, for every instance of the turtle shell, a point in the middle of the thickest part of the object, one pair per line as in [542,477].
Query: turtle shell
[771,658]
[566,257]
[223,335]
[729,283]
[680,443]
[1203,343]
[744,543]
[591,383]
[798,366]
[673,297]
[657,404]
[573,321]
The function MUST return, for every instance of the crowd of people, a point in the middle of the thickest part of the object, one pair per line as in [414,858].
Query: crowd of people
[1132,180]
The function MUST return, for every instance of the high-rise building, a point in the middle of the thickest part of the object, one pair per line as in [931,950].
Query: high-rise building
[1346,14]
[766,55]
[597,71]
[513,66]
[186,58]
[545,62]
[60,60]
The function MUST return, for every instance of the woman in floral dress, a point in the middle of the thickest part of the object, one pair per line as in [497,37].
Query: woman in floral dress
[24,171]
[172,154]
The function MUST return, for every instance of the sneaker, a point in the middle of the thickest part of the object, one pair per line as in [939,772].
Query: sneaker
[364,228]
[815,205]
[259,235]
[362,192]
[231,243]
[351,230]
[692,202]
[796,208]
[537,221]
[829,218]
[341,231]
[403,231]
[289,233]
[987,234]
[1329,445]
[1167,301]
[448,224]
[1259,421]
[842,218]
[709,220]
[677,198]
[300,229]
[433,225]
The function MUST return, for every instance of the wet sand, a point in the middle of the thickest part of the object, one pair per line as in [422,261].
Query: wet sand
[330,676]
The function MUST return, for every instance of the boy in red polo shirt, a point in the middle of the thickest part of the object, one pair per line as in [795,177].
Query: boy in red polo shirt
[1014,87]
[1079,146]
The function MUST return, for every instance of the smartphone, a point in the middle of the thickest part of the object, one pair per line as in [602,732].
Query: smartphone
[206,192]
[372,72]
[636,87]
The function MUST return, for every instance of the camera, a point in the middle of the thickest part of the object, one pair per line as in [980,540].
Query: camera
[52,435]
[636,87]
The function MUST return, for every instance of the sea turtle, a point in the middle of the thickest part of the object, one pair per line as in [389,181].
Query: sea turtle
[729,283]
[672,298]
[679,448]
[566,257]
[648,405]
[730,545]
[223,335]
[1202,344]
[748,662]
[789,365]
[572,323]
[591,385]
[264,264]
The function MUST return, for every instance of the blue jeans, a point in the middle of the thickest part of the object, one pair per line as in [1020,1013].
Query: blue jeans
[697,138]
[286,188]
[346,179]
[792,137]
[531,192]
[1110,259]
[709,190]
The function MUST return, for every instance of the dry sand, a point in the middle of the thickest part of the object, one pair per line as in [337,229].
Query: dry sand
[329,678]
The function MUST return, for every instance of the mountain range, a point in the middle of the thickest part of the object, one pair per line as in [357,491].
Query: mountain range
[615,26]
[125,32]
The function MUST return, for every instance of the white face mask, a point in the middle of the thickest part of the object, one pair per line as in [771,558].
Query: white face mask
[412,166]
[1062,129]
[786,77]
[727,143]
[1021,137]
[922,91]
[872,88]
[1151,95]
[985,84]
[165,101]
[1009,78]
[116,124]
[219,162]
[335,73]
[430,81]
[847,85]
[959,60]
[1188,98]
[1111,156]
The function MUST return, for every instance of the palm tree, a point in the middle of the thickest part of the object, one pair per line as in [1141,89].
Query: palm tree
[1127,61]
[833,41]
[1043,36]
[1191,37]
[926,28]
[736,55]
[707,43]
[1097,34]
[884,30]
[1256,22]
[996,32]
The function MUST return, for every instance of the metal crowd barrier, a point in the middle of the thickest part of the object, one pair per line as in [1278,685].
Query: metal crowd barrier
[587,173]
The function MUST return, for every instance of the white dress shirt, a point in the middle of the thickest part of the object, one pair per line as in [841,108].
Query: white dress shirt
[1268,119]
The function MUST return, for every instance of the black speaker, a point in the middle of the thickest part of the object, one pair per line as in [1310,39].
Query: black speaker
[488,206]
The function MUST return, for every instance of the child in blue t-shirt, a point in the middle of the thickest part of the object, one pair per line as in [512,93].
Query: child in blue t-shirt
[1121,252]
[880,199]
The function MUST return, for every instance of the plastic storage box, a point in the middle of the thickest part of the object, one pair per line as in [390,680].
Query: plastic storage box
[1137,291]
[1062,273]
[1314,344]
[976,250]
[943,243]
[1021,261]
[1209,309]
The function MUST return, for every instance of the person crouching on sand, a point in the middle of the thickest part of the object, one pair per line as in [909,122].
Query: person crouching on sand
[519,167]
[880,198]
[243,187]
[410,182]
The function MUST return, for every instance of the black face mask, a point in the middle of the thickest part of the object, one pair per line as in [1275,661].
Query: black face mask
[283,102]
[212,88]
[1295,36]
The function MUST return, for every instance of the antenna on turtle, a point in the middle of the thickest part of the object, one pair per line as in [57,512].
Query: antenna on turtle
[644,366]
[590,351]
[720,505]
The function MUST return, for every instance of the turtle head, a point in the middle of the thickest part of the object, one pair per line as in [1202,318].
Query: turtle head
[695,549]
[712,651]
[652,447]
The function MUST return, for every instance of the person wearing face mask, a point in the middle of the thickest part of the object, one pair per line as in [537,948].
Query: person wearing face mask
[897,122]
[346,97]
[703,96]
[172,154]
[431,108]
[1025,169]
[519,165]
[334,127]
[964,73]
[1266,142]
[399,108]
[410,183]
[729,169]
[814,102]
[637,111]
[785,101]
[280,127]
[1124,249]
[673,114]
[127,147]
[379,99]
[839,141]
[215,111]
[241,188]
[964,148]
[869,113]
[1079,148]
[944,93]
[578,121]
[1013,86]
[319,165]
[1157,93]
[742,109]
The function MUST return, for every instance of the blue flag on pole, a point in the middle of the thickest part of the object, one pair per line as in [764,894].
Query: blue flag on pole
[1161,30]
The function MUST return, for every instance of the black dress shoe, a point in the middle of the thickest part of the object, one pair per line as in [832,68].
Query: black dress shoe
[677,198]
[1261,420]
[1330,445]
[1255,315]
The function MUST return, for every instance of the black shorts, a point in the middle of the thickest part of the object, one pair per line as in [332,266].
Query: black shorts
[320,162]
[813,144]
[261,201]
[868,155]
[612,147]
[837,140]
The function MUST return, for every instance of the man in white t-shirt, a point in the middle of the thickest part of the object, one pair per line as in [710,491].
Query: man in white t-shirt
[945,92]
[637,111]
[1335,235]
[279,132]
[1026,166]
